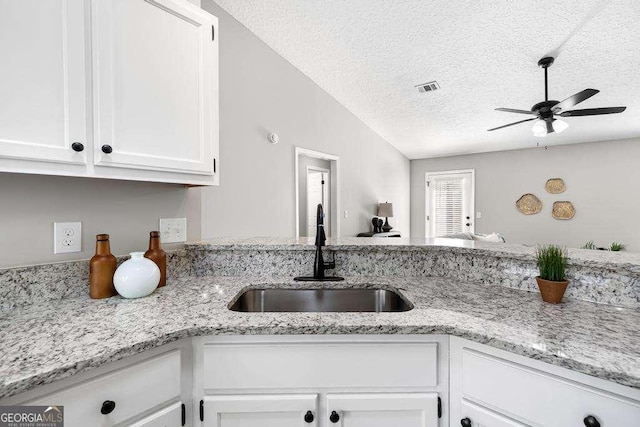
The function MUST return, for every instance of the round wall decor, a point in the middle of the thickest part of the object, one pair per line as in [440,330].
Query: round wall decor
[563,210]
[529,204]
[555,186]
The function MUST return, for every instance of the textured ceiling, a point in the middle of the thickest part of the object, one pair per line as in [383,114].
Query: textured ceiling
[369,55]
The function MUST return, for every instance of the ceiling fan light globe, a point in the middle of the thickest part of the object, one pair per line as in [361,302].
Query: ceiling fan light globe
[539,129]
[559,125]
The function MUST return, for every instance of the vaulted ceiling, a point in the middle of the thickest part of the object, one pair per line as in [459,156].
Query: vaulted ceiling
[370,55]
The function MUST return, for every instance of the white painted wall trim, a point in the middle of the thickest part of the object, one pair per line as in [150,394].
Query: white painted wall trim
[427,209]
[335,187]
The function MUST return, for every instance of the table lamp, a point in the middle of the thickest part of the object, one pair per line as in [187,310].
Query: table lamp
[386,210]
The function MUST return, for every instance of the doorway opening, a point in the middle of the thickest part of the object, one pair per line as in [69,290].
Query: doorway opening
[316,182]
[450,203]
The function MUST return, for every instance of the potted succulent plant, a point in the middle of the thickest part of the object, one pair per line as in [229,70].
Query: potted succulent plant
[552,263]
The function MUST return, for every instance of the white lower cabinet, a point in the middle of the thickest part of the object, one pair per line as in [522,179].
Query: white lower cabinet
[120,395]
[477,416]
[277,410]
[383,410]
[341,410]
[167,417]
[491,387]
[341,381]
[335,381]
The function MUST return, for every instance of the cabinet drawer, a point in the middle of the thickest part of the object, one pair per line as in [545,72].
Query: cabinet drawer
[326,364]
[539,398]
[134,389]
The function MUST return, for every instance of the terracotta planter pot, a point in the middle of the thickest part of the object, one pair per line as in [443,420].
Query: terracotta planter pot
[552,291]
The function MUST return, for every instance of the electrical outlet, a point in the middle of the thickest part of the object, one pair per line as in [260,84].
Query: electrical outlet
[173,230]
[67,237]
[346,214]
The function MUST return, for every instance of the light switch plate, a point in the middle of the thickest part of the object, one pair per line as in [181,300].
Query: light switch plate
[173,230]
[67,237]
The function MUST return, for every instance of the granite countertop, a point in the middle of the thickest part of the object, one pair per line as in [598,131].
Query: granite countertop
[629,261]
[44,343]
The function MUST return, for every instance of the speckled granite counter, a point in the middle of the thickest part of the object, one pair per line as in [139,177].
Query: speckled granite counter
[597,276]
[53,340]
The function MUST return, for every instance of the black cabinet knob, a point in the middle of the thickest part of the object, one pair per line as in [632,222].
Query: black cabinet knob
[77,147]
[468,224]
[591,421]
[107,407]
[106,149]
[465,422]
[308,417]
[334,417]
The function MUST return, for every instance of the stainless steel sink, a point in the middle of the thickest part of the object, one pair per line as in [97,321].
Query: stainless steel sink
[320,300]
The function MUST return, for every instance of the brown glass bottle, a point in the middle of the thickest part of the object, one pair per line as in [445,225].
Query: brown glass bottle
[101,269]
[157,255]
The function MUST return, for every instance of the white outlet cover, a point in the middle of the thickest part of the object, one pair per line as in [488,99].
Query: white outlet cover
[67,237]
[173,230]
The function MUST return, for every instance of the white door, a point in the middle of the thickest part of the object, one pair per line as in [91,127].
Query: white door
[42,80]
[383,410]
[155,85]
[286,410]
[449,203]
[317,193]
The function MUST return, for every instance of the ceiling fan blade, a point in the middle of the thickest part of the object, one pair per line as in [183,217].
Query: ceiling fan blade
[592,111]
[549,127]
[574,99]
[513,110]
[511,124]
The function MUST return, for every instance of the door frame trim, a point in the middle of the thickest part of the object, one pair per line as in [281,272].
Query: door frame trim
[426,195]
[334,191]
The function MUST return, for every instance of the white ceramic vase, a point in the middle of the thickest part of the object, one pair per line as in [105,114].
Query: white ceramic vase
[137,277]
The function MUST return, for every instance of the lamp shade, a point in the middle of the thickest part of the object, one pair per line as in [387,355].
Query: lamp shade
[385,209]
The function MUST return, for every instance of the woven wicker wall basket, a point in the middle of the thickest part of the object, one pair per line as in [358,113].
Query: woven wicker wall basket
[529,204]
[555,186]
[563,210]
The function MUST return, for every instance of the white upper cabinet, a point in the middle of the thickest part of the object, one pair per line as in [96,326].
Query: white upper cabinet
[42,81]
[120,89]
[155,85]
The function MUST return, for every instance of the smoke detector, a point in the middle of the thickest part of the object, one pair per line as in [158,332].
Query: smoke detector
[428,87]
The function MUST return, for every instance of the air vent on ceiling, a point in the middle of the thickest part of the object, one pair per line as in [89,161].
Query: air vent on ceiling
[428,87]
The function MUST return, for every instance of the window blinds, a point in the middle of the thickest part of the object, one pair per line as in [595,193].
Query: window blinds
[448,199]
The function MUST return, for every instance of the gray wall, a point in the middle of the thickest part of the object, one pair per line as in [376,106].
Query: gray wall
[303,162]
[261,92]
[601,178]
[127,211]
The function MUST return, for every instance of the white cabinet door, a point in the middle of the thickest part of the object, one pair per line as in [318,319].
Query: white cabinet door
[170,416]
[530,392]
[155,66]
[477,416]
[285,410]
[383,410]
[129,391]
[42,80]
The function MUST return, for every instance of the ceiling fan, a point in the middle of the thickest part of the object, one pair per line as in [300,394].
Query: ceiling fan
[545,112]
